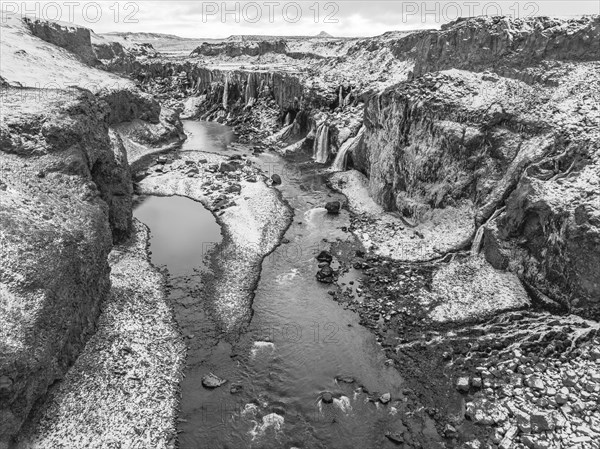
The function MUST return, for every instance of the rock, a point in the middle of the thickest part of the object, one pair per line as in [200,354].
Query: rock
[395,437]
[450,431]
[212,381]
[385,398]
[324,256]
[234,188]
[327,397]
[345,379]
[225,167]
[137,177]
[462,384]
[235,388]
[276,179]
[536,383]
[541,422]
[482,411]
[333,207]
[325,275]
[561,398]
[509,436]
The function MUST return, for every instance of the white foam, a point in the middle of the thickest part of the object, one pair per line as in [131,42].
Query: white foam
[287,277]
[343,403]
[271,420]
[259,346]
[249,409]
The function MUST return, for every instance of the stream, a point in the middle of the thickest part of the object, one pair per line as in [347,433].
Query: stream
[299,340]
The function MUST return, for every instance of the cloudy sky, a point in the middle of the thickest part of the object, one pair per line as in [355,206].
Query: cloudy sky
[339,18]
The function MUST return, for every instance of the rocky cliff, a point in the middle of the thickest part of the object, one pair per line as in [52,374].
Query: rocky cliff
[75,39]
[65,198]
[235,49]
[65,186]
[516,142]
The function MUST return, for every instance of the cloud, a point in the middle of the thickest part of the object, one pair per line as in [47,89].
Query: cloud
[341,18]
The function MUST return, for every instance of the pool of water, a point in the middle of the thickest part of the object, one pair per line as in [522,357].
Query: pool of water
[182,231]
[206,136]
[299,339]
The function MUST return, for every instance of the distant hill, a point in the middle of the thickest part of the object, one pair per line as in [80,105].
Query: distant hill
[324,34]
[145,36]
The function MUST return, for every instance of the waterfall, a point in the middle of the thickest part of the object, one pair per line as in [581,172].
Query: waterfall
[288,119]
[341,97]
[476,245]
[347,99]
[321,145]
[250,88]
[339,164]
[226,92]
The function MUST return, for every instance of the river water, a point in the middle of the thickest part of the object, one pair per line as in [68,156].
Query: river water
[299,339]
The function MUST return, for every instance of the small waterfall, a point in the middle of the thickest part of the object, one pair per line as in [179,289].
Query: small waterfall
[321,145]
[339,164]
[226,92]
[341,97]
[347,99]
[476,246]
[477,241]
[250,93]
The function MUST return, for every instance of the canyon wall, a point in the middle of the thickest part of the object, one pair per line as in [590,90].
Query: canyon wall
[75,39]
[65,199]
[66,188]
[234,49]
[503,114]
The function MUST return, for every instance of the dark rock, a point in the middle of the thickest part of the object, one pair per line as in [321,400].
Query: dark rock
[234,188]
[137,177]
[395,437]
[333,207]
[225,167]
[325,256]
[325,275]
[276,179]
[327,397]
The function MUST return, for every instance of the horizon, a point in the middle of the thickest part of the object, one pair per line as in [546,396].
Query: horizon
[220,20]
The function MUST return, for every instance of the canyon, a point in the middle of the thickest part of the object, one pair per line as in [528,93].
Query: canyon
[466,162]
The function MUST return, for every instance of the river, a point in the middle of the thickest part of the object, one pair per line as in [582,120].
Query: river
[298,341]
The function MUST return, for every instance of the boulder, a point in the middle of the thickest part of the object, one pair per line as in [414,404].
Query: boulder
[327,397]
[324,256]
[333,207]
[276,179]
[326,275]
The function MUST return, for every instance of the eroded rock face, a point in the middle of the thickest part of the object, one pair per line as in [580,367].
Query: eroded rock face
[234,49]
[503,43]
[73,38]
[551,231]
[65,184]
[518,141]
